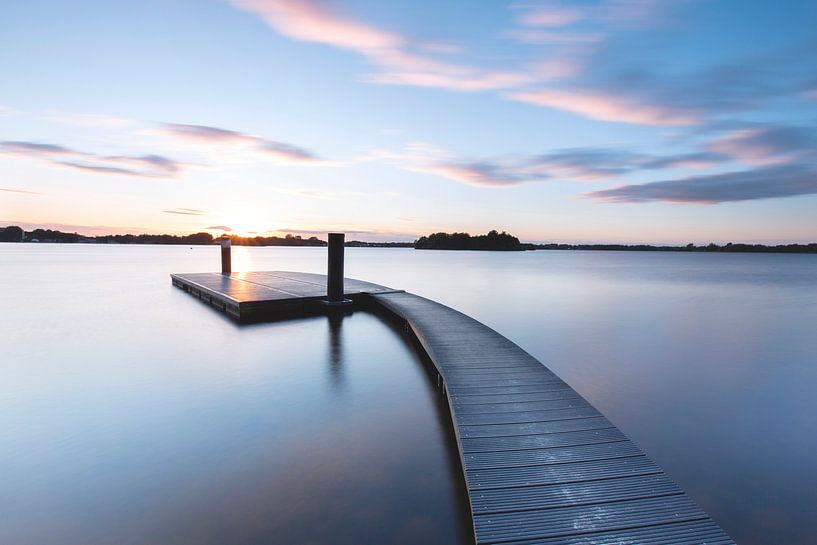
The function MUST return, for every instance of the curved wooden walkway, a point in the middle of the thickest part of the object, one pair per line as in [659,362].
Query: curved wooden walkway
[541,464]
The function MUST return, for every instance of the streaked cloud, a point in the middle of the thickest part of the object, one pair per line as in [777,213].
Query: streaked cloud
[186,211]
[552,14]
[205,133]
[441,47]
[542,37]
[280,151]
[583,68]
[21,191]
[352,232]
[572,164]
[768,144]
[147,166]
[484,173]
[693,160]
[612,12]
[762,183]
[219,228]
[315,21]
[399,60]
[405,68]
[607,107]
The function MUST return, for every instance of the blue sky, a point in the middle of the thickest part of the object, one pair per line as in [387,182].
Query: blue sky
[607,121]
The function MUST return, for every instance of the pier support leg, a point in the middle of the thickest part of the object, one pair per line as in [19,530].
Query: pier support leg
[226,258]
[334,279]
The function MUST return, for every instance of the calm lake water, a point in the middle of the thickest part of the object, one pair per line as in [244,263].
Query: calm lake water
[131,413]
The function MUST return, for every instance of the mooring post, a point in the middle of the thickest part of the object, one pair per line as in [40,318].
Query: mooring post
[334,281]
[226,259]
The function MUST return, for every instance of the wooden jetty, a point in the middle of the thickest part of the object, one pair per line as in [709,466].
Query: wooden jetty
[541,464]
[250,296]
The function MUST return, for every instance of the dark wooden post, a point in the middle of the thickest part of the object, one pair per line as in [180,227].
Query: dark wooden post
[334,281]
[226,259]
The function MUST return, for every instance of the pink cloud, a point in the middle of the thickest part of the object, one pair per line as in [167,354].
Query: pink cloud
[186,211]
[480,174]
[314,21]
[768,145]
[552,15]
[20,191]
[540,37]
[605,107]
[403,68]
[205,133]
[146,166]
[280,151]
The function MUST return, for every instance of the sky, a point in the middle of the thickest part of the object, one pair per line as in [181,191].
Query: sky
[656,121]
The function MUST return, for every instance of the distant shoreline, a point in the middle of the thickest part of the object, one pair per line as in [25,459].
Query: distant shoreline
[17,235]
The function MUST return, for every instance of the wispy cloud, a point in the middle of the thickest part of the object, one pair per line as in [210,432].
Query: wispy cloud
[21,191]
[768,144]
[607,106]
[484,173]
[761,183]
[572,164]
[314,21]
[552,14]
[186,211]
[280,151]
[352,232]
[219,228]
[584,67]
[612,13]
[542,37]
[147,166]
[399,60]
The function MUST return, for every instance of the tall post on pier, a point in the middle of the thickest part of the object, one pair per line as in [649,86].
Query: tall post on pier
[226,258]
[334,280]
[334,276]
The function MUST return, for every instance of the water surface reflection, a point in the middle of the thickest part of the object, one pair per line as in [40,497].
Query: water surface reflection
[169,424]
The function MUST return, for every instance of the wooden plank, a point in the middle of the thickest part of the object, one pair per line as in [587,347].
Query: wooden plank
[577,520]
[699,532]
[549,456]
[532,498]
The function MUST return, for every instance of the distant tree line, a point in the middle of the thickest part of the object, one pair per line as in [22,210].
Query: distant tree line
[494,240]
[361,244]
[191,240]
[810,248]
[288,240]
[14,233]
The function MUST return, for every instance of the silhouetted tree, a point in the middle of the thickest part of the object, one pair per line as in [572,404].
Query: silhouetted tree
[494,240]
[12,233]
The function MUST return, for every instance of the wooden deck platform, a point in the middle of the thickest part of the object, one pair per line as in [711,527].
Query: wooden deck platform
[248,296]
[541,464]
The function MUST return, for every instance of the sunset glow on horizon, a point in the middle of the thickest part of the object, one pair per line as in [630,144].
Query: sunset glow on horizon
[591,121]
